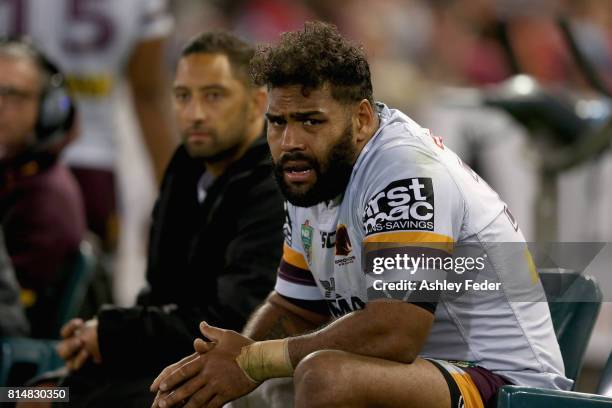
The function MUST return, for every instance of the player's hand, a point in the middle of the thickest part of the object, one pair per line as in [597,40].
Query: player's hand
[172,368]
[208,380]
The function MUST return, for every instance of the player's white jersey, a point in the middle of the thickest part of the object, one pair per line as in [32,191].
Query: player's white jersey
[409,193]
[91,41]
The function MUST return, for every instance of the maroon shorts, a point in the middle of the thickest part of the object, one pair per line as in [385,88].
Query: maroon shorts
[470,386]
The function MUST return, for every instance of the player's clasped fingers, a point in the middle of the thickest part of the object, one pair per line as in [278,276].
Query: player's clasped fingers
[182,373]
[202,346]
[165,372]
[160,395]
[202,397]
[189,390]
[217,402]
[170,369]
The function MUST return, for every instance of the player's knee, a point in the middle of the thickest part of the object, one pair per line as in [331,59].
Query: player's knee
[316,379]
[320,362]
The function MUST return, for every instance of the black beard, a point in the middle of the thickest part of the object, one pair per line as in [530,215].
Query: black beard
[332,176]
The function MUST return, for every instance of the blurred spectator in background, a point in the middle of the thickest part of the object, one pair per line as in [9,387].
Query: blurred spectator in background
[100,44]
[41,210]
[492,40]
[215,240]
[592,22]
[12,317]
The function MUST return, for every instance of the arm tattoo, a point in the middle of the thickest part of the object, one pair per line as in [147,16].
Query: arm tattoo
[279,330]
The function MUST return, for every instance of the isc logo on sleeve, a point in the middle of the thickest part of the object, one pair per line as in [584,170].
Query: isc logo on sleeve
[406,204]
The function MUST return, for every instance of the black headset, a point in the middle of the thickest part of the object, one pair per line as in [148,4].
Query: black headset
[56,111]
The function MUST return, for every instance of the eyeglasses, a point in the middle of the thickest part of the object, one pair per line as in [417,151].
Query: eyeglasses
[14,96]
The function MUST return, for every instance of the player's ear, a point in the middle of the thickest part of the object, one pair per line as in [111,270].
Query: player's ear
[364,120]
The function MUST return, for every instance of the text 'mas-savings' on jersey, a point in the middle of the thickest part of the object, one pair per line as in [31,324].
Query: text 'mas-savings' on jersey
[91,41]
[407,190]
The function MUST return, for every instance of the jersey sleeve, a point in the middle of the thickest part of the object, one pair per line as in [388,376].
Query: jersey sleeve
[155,20]
[294,279]
[409,197]
[410,215]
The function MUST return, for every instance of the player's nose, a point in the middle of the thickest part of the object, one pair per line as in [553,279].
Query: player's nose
[291,140]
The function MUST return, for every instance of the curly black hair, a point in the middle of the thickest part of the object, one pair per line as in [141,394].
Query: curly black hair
[238,51]
[313,57]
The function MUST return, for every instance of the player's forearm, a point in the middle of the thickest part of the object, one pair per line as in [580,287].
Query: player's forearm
[390,330]
[381,330]
[277,319]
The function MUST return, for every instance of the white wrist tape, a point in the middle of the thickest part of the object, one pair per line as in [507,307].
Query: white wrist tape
[266,359]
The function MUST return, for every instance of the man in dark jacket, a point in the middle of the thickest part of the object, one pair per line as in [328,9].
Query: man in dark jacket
[216,235]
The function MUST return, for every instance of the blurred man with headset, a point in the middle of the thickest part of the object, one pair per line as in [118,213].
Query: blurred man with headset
[41,209]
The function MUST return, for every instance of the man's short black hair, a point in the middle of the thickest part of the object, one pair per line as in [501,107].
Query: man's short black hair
[238,51]
[313,57]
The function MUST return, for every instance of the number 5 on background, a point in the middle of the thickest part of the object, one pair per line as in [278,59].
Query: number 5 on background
[13,14]
[77,13]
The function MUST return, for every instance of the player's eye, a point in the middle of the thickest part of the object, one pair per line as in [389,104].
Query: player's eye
[213,96]
[276,121]
[182,96]
[312,122]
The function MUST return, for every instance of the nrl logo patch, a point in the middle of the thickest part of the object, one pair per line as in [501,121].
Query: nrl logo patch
[306,234]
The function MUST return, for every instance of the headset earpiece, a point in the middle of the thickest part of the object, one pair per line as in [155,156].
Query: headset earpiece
[56,109]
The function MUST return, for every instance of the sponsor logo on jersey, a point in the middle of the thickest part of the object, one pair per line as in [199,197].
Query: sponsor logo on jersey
[306,234]
[329,286]
[341,306]
[338,305]
[345,261]
[406,204]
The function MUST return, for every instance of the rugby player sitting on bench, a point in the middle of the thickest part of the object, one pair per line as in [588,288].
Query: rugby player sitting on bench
[370,176]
